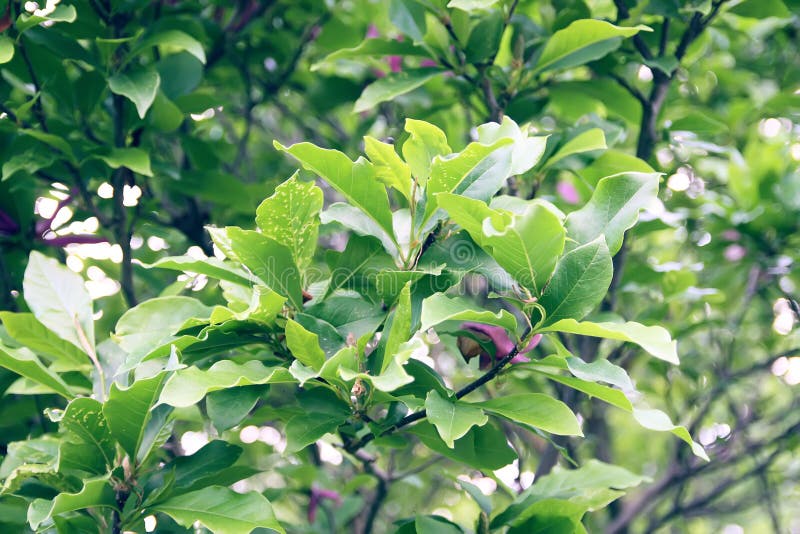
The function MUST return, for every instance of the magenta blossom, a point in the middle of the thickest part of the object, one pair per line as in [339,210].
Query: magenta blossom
[373,32]
[317,494]
[567,192]
[502,343]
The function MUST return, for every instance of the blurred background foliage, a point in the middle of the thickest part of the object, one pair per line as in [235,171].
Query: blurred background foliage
[129,125]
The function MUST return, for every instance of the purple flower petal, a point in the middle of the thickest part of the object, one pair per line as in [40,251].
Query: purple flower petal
[317,494]
[567,192]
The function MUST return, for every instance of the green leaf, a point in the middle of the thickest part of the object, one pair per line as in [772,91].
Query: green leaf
[409,17]
[62,13]
[268,260]
[54,141]
[354,180]
[484,39]
[585,381]
[400,328]
[135,159]
[127,411]
[291,217]
[452,419]
[87,444]
[477,172]
[654,339]
[25,363]
[613,208]
[304,345]
[425,142]
[154,322]
[212,267]
[221,510]
[188,386]
[566,494]
[760,9]
[579,282]
[392,86]
[483,447]
[375,47]
[228,407]
[527,151]
[526,245]
[96,493]
[537,410]
[612,162]
[323,413]
[581,42]
[59,300]
[174,39]
[28,331]
[439,308]
[6,49]
[199,469]
[587,141]
[389,167]
[139,86]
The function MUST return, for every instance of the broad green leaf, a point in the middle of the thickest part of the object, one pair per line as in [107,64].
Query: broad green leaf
[157,432]
[613,208]
[567,492]
[323,412]
[25,363]
[400,328]
[484,38]
[291,217]
[392,86]
[587,141]
[139,86]
[154,322]
[579,282]
[477,172]
[527,151]
[439,308]
[87,444]
[221,510]
[53,140]
[135,159]
[62,13]
[389,167]
[760,9]
[431,524]
[657,420]
[483,447]
[585,380]
[612,162]
[581,42]
[96,493]
[537,410]
[263,307]
[188,386]
[654,339]
[304,345]
[59,300]
[375,47]
[354,180]
[409,17]
[228,407]
[199,469]
[6,49]
[526,245]
[452,419]
[360,223]
[212,267]
[268,260]
[127,411]
[425,142]
[31,333]
[174,39]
